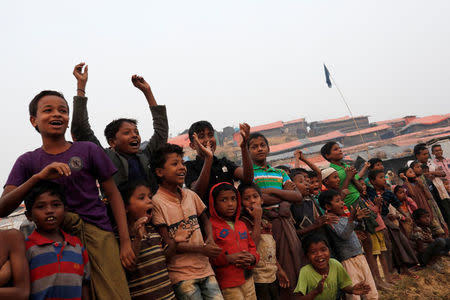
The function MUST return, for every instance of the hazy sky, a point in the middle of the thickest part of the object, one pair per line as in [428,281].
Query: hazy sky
[224,61]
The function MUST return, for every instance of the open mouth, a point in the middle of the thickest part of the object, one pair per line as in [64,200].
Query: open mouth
[56,123]
[50,219]
[134,144]
[182,174]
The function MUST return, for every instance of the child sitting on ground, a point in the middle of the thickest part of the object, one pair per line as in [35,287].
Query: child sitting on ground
[149,279]
[267,270]
[238,254]
[78,166]
[428,247]
[207,170]
[14,273]
[122,134]
[59,264]
[347,246]
[324,277]
[177,213]
[278,192]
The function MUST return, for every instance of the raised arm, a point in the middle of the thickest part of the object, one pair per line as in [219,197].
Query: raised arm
[364,169]
[299,156]
[350,174]
[19,268]
[159,115]
[245,173]
[80,127]
[200,186]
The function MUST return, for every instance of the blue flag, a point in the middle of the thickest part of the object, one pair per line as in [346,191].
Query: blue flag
[327,76]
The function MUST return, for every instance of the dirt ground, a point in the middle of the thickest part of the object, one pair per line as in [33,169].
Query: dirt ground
[430,286]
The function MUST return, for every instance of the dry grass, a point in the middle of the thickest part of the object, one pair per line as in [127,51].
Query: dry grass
[431,285]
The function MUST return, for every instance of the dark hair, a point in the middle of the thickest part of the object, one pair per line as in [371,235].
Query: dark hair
[127,189]
[418,213]
[42,187]
[418,148]
[414,163]
[223,186]
[326,197]
[312,174]
[435,146]
[326,149]
[402,170]
[373,161]
[112,128]
[313,238]
[284,168]
[245,186]
[397,188]
[159,156]
[373,174]
[254,136]
[198,127]
[296,171]
[32,107]
[424,166]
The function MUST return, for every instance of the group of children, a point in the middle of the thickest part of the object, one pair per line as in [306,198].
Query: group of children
[128,223]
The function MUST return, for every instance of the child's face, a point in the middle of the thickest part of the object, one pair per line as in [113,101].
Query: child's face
[378,166]
[173,171]
[336,206]
[314,186]
[52,116]
[425,220]
[226,204]
[401,194]
[332,181]
[417,170]
[206,136]
[363,186]
[319,255]
[335,153]
[251,198]
[127,140]
[140,203]
[438,152]
[423,156]
[302,184]
[410,173]
[379,181]
[47,212]
[258,149]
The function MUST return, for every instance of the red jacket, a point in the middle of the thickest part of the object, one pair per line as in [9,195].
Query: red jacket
[231,241]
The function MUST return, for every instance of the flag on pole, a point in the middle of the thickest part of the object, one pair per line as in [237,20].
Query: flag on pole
[327,76]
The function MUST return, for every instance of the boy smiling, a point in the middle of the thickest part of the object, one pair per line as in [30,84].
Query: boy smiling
[59,266]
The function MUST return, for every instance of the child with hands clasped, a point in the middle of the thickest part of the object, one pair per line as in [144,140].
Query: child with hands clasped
[324,277]
[347,246]
[77,166]
[268,275]
[178,214]
[238,254]
[150,278]
[59,264]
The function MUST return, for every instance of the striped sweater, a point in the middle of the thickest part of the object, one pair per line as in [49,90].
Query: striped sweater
[58,270]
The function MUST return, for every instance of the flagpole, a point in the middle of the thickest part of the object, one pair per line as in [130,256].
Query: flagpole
[350,111]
